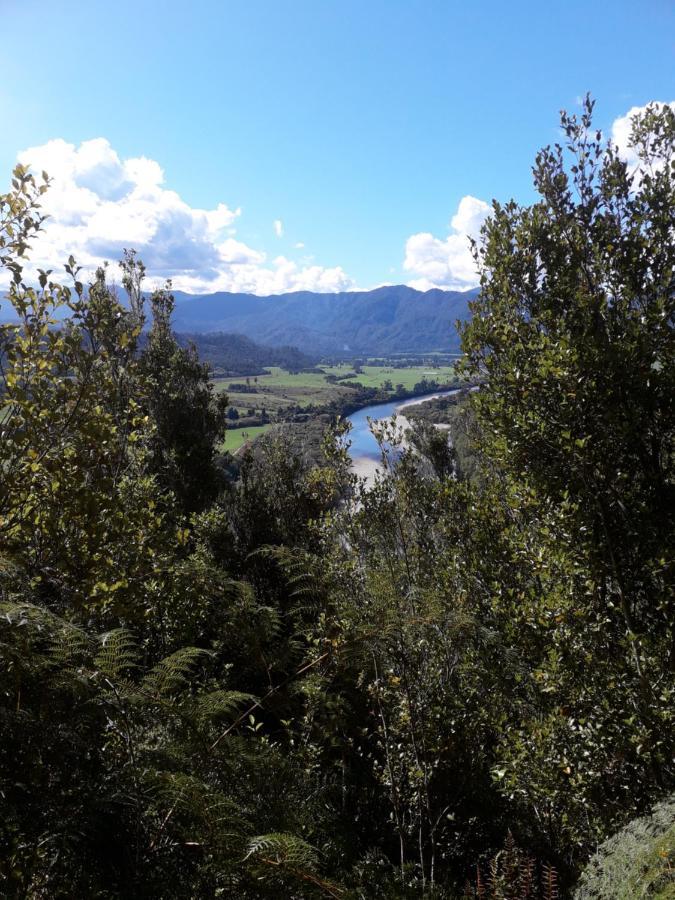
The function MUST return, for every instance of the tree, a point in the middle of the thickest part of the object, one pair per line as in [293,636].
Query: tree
[128,764]
[572,336]
[434,444]
[190,417]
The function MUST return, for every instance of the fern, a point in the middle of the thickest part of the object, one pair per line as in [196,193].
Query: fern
[118,654]
[512,875]
[68,646]
[189,794]
[284,849]
[549,883]
[39,640]
[173,672]
[290,855]
[300,570]
[217,704]
[639,861]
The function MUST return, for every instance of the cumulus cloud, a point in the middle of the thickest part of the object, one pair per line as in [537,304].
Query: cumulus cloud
[99,204]
[447,262]
[278,228]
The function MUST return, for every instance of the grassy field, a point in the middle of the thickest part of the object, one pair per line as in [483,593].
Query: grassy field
[235,438]
[375,376]
[280,390]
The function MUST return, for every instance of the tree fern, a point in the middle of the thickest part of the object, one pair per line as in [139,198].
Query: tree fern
[287,854]
[173,672]
[217,704]
[118,654]
[284,849]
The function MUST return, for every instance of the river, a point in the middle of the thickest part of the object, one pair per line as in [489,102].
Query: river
[364,447]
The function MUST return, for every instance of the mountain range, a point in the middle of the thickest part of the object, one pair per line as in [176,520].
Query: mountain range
[389,319]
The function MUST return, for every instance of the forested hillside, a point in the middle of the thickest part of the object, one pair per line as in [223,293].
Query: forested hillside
[264,680]
[234,354]
[387,320]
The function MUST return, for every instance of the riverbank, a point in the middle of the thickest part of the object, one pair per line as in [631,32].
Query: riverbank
[364,450]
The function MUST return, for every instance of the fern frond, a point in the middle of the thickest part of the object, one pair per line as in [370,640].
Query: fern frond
[220,703]
[173,672]
[526,878]
[284,849]
[550,883]
[297,566]
[179,789]
[56,643]
[68,645]
[118,654]
[28,615]
[207,813]
[291,856]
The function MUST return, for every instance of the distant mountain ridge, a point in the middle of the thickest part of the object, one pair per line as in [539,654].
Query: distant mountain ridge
[388,319]
[391,319]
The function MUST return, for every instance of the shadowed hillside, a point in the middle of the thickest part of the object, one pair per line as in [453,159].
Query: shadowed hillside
[386,320]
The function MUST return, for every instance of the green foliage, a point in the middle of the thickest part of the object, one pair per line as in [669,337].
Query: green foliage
[130,762]
[637,862]
[146,733]
[434,444]
[513,875]
[573,337]
[20,218]
[283,683]
[189,416]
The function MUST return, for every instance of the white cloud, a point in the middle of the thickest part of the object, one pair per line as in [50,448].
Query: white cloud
[299,246]
[621,129]
[99,204]
[447,263]
[278,228]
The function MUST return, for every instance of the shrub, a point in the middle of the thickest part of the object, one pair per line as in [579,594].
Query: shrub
[637,862]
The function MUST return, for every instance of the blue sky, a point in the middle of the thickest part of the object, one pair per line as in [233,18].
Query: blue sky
[354,124]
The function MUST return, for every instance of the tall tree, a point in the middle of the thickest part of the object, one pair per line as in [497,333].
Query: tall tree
[189,416]
[573,338]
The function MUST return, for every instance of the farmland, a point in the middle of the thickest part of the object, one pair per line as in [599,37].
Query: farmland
[280,396]
[281,389]
[237,437]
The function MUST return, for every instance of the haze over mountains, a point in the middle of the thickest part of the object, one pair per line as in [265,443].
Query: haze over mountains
[385,320]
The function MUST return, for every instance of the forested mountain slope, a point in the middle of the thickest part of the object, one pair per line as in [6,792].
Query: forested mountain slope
[390,319]
[385,320]
[235,354]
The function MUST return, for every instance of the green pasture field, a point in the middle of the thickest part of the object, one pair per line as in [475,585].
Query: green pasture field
[235,438]
[281,389]
[375,376]
[305,386]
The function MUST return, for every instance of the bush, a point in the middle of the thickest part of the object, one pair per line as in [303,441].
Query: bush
[636,862]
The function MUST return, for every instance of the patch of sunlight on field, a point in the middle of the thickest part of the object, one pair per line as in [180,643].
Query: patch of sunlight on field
[235,438]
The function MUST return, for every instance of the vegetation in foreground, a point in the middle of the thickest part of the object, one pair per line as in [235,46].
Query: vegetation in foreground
[456,686]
